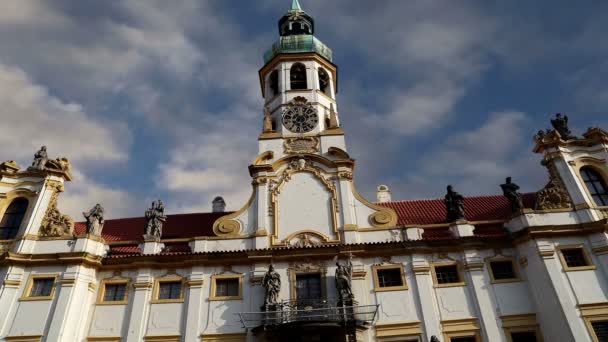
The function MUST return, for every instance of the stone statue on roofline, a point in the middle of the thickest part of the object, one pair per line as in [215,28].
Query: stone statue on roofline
[272,287]
[95,220]
[434,339]
[560,124]
[155,218]
[40,159]
[454,205]
[344,278]
[509,189]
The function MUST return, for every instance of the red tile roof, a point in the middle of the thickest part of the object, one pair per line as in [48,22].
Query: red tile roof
[176,226]
[480,208]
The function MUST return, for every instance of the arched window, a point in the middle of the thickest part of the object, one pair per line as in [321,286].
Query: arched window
[13,216]
[273,82]
[297,76]
[596,185]
[323,81]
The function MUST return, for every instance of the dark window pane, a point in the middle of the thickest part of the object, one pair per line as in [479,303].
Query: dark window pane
[42,287]
[447,274]
[115,292]
[502,269]
[297,76]
[274,82]
[601,330]
[523,336]
[227,287]
[595,185]
[390,277]
[12,218]
[463,339]
[574,257]
[308,286]
[170,290]
[323,81]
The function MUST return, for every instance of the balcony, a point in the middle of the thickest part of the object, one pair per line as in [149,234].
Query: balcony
[298,44]
[310,313]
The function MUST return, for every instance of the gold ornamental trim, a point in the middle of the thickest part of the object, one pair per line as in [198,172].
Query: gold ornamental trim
[227,226]
[301,145]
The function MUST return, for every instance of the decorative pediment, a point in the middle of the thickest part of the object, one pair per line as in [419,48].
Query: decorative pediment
[306,238]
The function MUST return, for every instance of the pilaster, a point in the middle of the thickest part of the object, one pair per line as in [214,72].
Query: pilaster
[142,292]
[481,288]
[194,312]
[9,294]
[426,295]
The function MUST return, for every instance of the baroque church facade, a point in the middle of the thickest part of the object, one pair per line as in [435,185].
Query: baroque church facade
[307,258]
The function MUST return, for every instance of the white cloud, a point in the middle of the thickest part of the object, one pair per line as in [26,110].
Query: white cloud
[31,117]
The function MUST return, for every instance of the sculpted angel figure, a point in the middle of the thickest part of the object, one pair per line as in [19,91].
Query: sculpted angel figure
[272,285]
[94,219]
[155,218]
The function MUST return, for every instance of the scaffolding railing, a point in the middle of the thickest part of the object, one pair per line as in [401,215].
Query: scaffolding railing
[309,311]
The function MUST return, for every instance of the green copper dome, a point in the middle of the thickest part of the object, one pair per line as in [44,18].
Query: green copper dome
[297,29]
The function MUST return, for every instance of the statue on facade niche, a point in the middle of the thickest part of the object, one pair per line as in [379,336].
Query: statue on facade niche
[155,218]
[560,123]
[454,205]
[509,189]
[344,277]
[272,285]
[94,220]
[40,159]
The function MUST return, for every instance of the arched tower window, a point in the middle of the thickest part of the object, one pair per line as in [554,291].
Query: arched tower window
[323,81]
[13,216]
[273,82]
[297,76]
[596,185]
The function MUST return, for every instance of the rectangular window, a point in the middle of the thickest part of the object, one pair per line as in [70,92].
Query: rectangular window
[447,274]
[389,278]
[523,336]
[463,339]
[226,287]
[308,287]
[600,328]
[42,287]
[502,270]
[115,292]
[168,290]
[574,257]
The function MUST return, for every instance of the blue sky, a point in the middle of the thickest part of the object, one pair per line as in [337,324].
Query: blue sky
[161,98]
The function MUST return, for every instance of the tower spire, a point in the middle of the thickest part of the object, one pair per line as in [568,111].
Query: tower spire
[295,5]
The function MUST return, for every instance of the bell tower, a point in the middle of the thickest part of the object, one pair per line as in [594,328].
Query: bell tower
[299,86]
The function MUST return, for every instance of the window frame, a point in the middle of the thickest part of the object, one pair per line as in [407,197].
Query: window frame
[102,292]
[590,265]
[377,286]
[521,323]
[9,201]
[458,266]
[603,179]
[270,76]
[216,277]
[171,279]
[593,313]
[468,327]
[327,91]
[26,295]
[493,280]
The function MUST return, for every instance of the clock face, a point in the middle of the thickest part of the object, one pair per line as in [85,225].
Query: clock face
[300,119]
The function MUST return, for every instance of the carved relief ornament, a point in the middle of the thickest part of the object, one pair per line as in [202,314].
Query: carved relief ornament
[301,145]
[54,223]
[554,195]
